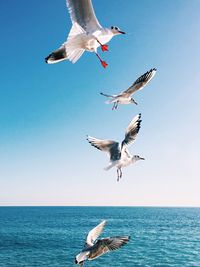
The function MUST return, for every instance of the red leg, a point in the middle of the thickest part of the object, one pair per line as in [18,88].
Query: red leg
[103,47]
[103,63]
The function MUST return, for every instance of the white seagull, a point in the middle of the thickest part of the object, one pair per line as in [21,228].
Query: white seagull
[118,153]
[125,96]
[86,34]
[94,248]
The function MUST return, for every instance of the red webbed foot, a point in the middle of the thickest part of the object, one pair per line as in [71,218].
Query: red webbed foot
[104,48]
[104,64]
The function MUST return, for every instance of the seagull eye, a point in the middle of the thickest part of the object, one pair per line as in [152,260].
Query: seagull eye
[116,28]
[112,27]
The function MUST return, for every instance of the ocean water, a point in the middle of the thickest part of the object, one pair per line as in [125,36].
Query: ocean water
[52,236]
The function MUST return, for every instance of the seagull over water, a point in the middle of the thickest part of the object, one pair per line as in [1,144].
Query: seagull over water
[125,96]
[86,34]
[118,152]
[94,248]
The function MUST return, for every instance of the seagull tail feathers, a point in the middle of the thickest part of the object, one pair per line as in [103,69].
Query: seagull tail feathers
[110,98]
[106,95]
[107,168]
[110,166]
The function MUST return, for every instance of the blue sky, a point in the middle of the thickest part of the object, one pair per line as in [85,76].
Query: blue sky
[46,111]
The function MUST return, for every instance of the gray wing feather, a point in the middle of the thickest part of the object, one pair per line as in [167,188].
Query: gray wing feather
[132,130]
[114,243]
[142,81]
[82,12]
[108,244]
[110,146]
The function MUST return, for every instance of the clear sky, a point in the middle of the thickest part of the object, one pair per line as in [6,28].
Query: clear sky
[46,111]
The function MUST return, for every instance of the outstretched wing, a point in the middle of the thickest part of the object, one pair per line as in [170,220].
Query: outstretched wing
[132,130]
[94,233]
[108,244]
[109,96]
[82,12]
[142,81]
[109,146]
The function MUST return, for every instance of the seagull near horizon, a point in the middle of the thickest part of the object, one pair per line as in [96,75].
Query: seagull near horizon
[86,34]
[94,248]
[125,96]
[118,153]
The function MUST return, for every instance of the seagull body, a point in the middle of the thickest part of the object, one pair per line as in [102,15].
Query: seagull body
[86,34]
[94,248]
[119,155]
[125,96]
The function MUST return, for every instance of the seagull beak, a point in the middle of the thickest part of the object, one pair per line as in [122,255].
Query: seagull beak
[142,158]
[121,32]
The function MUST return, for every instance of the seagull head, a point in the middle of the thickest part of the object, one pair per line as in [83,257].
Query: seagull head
[78,262]
[133,101]
[80,258]
[115,30]
[136,158]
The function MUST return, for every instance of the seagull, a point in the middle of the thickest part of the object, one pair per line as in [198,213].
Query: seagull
[118,153]
[94,248]
[86,34]
[125,96]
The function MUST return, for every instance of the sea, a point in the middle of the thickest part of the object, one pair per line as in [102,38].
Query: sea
[52,236]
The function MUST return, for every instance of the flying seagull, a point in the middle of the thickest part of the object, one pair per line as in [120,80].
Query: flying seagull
[86,34]
[118,153]
[125,96]
[94,248]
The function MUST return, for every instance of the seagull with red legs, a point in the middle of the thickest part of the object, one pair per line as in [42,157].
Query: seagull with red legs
[86,34]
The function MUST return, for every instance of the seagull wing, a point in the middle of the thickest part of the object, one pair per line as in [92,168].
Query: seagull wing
[82,12]
[94,233]
[132,130]
[105,245]
[142,81]
[109,146]
[125,153]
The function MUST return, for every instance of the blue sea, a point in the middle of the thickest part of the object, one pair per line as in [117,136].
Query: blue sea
[52,236]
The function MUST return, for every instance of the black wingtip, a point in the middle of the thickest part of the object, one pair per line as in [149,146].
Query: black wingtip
[46,58]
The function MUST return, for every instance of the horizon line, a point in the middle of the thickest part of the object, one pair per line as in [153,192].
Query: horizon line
[96,206]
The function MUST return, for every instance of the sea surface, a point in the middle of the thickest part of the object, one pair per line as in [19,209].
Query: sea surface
[52,236]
